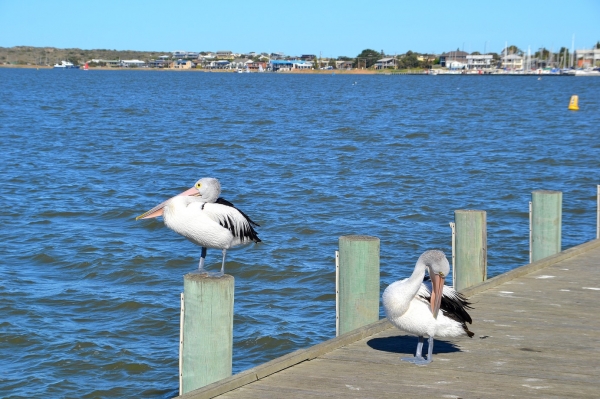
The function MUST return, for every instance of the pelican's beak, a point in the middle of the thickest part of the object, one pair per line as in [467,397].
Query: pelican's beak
[437,287]
[158,209]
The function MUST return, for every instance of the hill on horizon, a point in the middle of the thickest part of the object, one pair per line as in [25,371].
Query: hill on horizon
[28,55]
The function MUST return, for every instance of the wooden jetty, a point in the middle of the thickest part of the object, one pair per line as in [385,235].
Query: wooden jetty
[536,336]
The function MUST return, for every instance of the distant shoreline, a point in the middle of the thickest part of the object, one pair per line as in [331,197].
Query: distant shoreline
[304,72]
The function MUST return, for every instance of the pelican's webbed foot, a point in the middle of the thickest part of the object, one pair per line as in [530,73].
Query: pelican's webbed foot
[418,359]
[201,271]
[215,274]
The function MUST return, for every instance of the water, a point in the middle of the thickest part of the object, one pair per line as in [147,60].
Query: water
[89,298]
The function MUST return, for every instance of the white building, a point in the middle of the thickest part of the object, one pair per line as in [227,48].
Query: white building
[587,58]
[480,61]
[512,61]
[455,65]
[132,63]
[301,64]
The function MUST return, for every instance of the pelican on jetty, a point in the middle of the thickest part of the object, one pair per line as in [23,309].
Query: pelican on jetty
[413,305]
[201,216]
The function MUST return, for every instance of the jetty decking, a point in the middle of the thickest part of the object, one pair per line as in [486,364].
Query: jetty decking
[537,335]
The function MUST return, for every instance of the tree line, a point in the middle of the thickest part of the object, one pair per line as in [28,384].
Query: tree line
[368,57]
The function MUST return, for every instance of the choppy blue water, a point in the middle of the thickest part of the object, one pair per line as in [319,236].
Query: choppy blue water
[89,298]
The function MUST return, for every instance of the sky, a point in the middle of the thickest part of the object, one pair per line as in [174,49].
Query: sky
[329,28]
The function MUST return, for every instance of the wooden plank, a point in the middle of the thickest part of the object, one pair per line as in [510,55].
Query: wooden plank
[326,378]
[498,352]
[283,362]
[530,268]
[540,341]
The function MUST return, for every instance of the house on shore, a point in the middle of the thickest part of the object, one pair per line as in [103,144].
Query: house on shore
[183,64]
[344,64]
[512,62]
[257,66]
[289,65]
[225,55]
[132,63]
[109,63]
[480,62]
[219,64]
[587,58]
[454,60]
[385,63]
[160,63]
[240,63]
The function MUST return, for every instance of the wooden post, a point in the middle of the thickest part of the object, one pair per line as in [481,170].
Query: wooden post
[598,212]
[206,353]
[337,293]
[546,223]
[358,300]
[471,248]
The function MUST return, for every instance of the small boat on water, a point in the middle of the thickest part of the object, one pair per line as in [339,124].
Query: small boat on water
[587,72]
[66,65]
[86,67]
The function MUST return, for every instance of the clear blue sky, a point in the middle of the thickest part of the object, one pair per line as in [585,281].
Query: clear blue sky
[294,27]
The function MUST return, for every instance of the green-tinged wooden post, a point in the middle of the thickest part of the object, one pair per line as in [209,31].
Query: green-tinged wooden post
[546,223]
[207,336]
[471,248]
[358,282]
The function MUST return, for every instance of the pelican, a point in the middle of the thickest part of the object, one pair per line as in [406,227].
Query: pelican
[413,305]
[201,216]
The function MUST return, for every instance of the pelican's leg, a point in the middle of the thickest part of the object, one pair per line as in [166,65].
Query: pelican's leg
[419,348]
[220,273]
[418,359]
[201,263]
[430,350]
[223,263]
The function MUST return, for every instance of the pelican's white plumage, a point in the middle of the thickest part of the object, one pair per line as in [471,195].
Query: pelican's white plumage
[413,305]
[200,215]
[209,225]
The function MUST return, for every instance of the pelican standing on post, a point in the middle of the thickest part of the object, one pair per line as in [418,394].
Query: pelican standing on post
[200,215]
[413,305]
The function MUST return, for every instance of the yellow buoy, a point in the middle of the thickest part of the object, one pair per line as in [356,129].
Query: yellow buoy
[573,106]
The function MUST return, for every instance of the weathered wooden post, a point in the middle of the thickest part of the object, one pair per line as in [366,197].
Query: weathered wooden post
[545,224]
[357,282]
[207,330]
[470,246]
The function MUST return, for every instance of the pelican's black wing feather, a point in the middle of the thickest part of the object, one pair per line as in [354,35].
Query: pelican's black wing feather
[454,305]
[223,201]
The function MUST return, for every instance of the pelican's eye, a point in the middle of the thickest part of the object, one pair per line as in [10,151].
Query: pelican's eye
[441,274]
[198,185]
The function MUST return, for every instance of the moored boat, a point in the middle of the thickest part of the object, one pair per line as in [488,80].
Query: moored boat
[66,65]
[587,72]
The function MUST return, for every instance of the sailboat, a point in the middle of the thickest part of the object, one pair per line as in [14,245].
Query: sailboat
[86,67]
